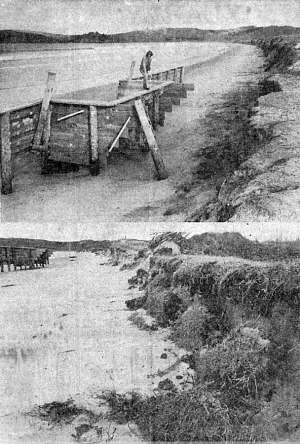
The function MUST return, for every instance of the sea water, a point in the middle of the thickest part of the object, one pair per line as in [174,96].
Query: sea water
[23,68]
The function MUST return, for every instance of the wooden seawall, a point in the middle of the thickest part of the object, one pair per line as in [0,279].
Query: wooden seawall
[83,127]
[23,257]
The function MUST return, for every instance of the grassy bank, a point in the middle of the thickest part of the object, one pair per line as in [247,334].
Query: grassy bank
[232,137]
[239,320]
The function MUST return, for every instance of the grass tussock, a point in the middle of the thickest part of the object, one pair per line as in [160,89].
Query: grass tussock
[279,54]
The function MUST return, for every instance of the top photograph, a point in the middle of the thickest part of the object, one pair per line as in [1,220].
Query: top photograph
[150,111]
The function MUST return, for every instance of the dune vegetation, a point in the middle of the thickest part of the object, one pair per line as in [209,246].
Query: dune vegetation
[238,319]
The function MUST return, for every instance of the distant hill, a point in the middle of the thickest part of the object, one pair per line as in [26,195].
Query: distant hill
[244,34]
[234,244]
[83,245]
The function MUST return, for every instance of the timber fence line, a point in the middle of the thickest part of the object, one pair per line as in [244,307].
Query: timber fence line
[23,258]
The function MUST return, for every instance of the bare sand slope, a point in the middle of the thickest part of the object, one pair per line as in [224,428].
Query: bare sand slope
[128,190]
[65,333]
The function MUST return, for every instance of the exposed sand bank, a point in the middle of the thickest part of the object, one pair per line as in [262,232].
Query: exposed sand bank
[66,334]
[265,187]
[128,190]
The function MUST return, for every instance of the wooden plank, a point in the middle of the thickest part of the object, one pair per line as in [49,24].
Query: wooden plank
[189,86]
[175,93]
[6,165]
[44,109]
[104,140]
[165,103]
[68,116]
[23,131]
[156,155]
[118,135]
[112,103]
[178,88]
[60,155]
[29,111]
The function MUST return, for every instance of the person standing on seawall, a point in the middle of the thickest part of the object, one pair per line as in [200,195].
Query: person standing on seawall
[145,68]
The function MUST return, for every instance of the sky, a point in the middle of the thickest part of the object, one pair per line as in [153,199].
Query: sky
[51,231]
[112,16]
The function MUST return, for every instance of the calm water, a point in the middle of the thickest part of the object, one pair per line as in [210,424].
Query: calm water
[23,72]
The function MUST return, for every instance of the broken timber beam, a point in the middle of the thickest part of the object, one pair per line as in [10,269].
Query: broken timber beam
[44,110]
[147,128]
[6,163]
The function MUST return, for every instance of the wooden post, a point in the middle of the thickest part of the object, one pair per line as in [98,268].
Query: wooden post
[159,76]
[155,118]
[95,157]
[156,155]
[44,110]
[181,74]
[45,139]
[6,167]
[7,255]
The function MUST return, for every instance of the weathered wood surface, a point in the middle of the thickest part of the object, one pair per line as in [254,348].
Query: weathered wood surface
[44,110]
[6,164]
[156,155]
[70,139]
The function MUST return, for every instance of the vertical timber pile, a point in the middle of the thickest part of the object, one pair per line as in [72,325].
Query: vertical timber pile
[96,158]
[6,168]
[44,111]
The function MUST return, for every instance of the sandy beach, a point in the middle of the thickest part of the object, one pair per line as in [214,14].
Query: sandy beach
[66,334]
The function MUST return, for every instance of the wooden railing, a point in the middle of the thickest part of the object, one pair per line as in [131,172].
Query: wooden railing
[173,74]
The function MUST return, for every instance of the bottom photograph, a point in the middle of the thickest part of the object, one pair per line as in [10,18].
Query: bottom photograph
[149,332]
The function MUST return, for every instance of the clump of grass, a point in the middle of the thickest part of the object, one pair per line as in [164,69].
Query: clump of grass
[60,412]
[187,416]
[143,323]
[195,328]
[257,286]
[238,366]
[279,54]
[165,306]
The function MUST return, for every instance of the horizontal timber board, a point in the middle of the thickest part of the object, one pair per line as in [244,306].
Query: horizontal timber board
[25,112]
